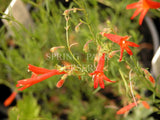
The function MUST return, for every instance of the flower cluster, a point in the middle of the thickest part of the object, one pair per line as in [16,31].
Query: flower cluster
[122,42]
[40,74]
[98,74]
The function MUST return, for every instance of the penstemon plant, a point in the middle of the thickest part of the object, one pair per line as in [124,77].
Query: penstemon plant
[79,51]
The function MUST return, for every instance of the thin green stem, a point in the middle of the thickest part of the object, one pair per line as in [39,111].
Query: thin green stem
[67,39]
[124,80]
[84,7]
[90,29]
[5,82]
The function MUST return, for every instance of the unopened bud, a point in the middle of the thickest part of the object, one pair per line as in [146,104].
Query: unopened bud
[60,83]
[102,33]
[77,27]
[111,54]
[66,12]
[53,49]
[86,46]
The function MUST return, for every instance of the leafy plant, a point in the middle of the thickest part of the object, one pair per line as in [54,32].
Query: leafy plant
[68,41]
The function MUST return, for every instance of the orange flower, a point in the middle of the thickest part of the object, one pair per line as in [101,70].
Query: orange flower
[151,79]
[25,83]
[38,70]
[126,108]
[122,42]
[130,106]
[145,104]
[142,6]
[98,74]
[10,99]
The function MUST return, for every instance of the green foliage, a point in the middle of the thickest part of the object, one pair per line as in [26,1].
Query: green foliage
[27,108]
[76,99]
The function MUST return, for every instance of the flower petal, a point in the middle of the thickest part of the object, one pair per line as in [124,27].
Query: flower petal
[121,54]
[138,10]
[143,13]
[38,70]
[126,108]
[112,37]
[132,6]
[132,44]
[101,63]
[145,104]
[153,4]
[95,82]
[128,50]
[24,87]
[93,73]
[23,82]
[125,38]
[101,83]
[107,79]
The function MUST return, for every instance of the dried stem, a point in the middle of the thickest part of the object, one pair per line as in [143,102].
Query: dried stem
[131,87]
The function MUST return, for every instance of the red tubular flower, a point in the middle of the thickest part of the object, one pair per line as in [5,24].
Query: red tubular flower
[38,70]
[25,83]
[142,7]
[126,108]
[130,106]
[122,42]
[98,74]
[10,99]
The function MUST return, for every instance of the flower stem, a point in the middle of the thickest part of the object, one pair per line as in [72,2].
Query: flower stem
[67,39]
[132,88]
